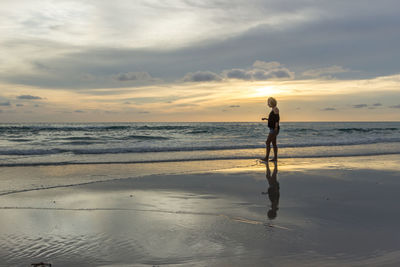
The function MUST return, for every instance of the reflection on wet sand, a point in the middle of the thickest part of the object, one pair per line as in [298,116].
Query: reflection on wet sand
[273,190]
[210,219]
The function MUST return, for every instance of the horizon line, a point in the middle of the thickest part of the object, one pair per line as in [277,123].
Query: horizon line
[380,121]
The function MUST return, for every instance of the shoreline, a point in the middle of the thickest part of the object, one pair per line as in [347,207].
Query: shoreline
[38,164]
[20,179]
[207,213]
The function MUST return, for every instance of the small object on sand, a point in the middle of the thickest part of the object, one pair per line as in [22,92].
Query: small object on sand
[131,196]
[277,226]
[41,264]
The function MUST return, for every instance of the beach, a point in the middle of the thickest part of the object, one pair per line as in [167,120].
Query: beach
[333,211]
[199,133]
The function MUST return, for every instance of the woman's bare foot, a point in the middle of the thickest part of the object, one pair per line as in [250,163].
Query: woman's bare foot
[264,159]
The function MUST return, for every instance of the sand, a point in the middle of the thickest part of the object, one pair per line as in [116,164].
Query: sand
[330,212]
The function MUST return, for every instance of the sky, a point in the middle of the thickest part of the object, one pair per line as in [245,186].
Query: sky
[209,60]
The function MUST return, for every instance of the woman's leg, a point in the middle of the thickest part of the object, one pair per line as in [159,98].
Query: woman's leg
[268,143]
[275,147]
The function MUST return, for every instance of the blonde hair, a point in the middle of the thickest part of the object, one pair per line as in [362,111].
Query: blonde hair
[272,101]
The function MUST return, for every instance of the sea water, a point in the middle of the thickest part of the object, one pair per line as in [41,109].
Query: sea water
[194,219]
[94,143]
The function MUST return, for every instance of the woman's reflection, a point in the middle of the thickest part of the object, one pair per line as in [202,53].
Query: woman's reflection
[273,190]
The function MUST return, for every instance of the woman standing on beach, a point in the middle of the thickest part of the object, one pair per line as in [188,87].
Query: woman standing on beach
[273,125]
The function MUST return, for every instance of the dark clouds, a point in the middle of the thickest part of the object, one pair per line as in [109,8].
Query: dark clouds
[333,37]
[133,76]
[5,104]
[371,106]
[260,71]
[201,76]
[395,106]
[238,74]
[28,97]
[273,74]
[360,106]
[329,109]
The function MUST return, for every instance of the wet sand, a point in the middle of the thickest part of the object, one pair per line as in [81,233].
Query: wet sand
[319,212]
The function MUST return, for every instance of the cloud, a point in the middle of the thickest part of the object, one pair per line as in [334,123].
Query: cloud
[186,105]
[5,104]
[212,35]
[28,97]
[19,105]
[329,109]
[395,106]
[238,74]
[377,104]
[360,106]
[79,111]
[324,72]
[260,71]
[259,74]
[234,106]
[202,76]
[133,76]
[130,23]
[281,73]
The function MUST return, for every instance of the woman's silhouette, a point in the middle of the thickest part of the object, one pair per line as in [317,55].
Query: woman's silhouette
[273,190]
[273,125]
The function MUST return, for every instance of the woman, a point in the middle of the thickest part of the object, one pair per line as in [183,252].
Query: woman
[273,125]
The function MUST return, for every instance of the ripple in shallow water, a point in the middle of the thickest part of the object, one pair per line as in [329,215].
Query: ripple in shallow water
[63,249]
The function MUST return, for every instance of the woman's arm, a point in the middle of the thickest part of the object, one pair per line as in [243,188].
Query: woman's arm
[276,111]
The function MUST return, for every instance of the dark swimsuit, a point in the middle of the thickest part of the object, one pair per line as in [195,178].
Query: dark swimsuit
[272,120]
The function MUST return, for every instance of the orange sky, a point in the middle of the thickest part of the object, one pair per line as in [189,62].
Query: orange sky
[305,100]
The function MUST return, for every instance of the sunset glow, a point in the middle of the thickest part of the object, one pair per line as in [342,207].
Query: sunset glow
[149,61]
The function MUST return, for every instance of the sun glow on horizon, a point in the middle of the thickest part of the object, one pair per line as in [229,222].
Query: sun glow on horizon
[299,100]
[265,91]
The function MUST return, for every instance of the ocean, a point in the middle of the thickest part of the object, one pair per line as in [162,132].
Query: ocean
[32,144]
[64,201]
